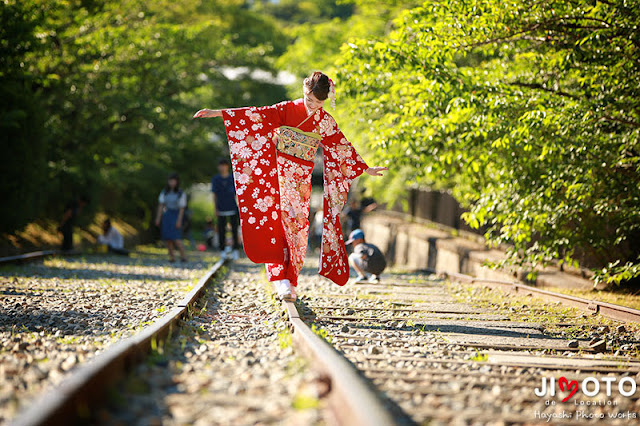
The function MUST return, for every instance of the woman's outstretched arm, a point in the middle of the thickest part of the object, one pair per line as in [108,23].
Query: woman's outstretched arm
[375,171]
[207,113]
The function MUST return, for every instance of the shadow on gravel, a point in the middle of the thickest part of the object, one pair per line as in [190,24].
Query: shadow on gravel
[426,280]
[305,310]
[91,274]
[102,268]
[143,260]
[68,322]
[310,316]
[79,313]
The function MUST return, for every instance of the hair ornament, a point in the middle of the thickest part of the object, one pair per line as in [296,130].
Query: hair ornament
[332,93]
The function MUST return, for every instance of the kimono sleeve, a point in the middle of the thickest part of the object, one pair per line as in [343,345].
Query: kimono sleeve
[274,115]
[270,116]
[339,150]
[253,159]
[342,164]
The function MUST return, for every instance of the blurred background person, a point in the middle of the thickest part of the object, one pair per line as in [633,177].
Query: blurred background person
[171,205]
[226,208]
[366,258]
[73,209]
[316,229]
[209,234]
[355,211]
[187,222]
[112,238]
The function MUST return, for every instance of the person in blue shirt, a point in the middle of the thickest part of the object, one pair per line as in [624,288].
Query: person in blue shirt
[225,207]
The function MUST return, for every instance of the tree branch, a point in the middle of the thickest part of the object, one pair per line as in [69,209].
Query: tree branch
[539,86]
[543,25]
[620,120]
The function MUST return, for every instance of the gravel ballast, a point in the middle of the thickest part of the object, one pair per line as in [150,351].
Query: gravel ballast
[232,363]
[60,312]
[453,354]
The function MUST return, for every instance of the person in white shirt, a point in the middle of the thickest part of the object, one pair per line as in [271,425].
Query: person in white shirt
[112,238]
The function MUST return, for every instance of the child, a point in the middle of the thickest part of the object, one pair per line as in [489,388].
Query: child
[366,258]
[209,234]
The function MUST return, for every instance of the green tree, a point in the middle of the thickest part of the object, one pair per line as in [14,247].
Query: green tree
[529,112]
[317,45]
[113,86]
[21,126]
[295,12]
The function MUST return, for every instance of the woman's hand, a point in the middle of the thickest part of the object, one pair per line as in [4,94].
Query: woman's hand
[157,222]
[375,171]
[206,113]
[178,225]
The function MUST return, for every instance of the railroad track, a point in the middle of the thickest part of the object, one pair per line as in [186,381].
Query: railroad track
[414,349]
[222,356]
[446,353]
[58,315]
[609,310]
[30,257]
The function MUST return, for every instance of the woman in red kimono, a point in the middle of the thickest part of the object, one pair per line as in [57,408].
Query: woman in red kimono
[272,151]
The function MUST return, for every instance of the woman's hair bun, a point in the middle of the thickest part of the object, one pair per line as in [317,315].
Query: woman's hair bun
[318,84]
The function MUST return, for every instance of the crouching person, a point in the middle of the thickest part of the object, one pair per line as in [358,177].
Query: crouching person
[366,258]
[112,239]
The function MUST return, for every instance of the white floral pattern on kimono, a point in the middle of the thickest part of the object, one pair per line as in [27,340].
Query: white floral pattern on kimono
[295,193]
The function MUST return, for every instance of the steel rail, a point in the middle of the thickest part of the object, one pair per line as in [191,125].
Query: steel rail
[381,368]
[27,257]
[70,402]
[609,310]
[351,398]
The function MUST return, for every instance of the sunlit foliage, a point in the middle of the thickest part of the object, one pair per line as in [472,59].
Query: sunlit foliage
[97,97]
[528,111]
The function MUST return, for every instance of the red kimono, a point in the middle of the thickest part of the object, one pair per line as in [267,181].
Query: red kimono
[274,188]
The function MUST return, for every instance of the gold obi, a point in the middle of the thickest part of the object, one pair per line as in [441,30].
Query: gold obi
[293,141]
